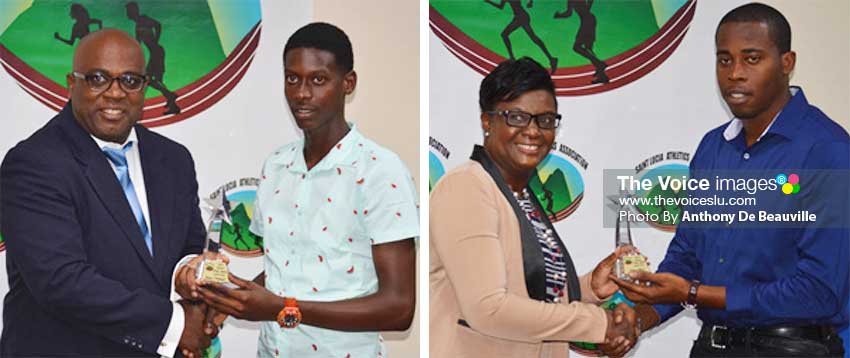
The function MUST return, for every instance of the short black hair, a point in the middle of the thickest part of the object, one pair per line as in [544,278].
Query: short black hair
[323,36]
[778,28]
[510,80]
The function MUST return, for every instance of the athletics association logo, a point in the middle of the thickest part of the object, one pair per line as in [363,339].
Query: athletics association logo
[558,182]
[196,50]
[237,238]
[672,165]
[590,47]
[436,168]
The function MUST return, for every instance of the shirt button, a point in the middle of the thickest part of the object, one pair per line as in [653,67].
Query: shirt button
[162,344]
[721,260]
[746,156]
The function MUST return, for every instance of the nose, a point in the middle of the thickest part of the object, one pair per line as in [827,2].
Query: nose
[114,90]
[532,130]
[303,91]
[736,71]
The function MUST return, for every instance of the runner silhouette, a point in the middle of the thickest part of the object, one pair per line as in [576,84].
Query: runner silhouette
[81,27]
[521,19]
[586,35]
[549,201]
[238,231]
[148,31]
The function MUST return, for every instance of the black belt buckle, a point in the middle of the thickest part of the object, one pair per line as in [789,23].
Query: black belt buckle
[718,329]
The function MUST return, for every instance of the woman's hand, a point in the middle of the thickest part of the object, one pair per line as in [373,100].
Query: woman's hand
[621,334]
[600,280]
[249,301]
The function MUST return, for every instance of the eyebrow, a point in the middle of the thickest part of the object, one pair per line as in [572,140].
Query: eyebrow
[746,50]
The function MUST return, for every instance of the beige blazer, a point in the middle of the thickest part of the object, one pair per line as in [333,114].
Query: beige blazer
[476,275]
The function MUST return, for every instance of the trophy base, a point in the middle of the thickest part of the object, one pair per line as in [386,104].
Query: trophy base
[631,263]
[213,271]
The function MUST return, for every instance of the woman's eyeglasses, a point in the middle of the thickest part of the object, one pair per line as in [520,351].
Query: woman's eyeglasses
[517,118]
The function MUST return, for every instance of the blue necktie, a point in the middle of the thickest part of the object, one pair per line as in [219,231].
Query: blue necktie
[118,157]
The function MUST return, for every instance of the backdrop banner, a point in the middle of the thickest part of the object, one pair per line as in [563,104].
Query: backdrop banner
[217,88]
[635,83]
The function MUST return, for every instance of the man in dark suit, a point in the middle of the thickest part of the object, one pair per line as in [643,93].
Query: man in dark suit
[97,211]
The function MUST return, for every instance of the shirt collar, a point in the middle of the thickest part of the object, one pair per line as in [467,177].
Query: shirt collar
[783,124]
[335,157]
[104,144]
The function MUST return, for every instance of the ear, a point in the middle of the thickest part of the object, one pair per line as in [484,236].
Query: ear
[70,80]
[485,122]
[349,82]
[789,60]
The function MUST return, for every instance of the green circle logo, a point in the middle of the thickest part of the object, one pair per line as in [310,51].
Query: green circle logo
[238,238]
[675,171]
[558,185]
[435,170]
[590,47]
[196,50]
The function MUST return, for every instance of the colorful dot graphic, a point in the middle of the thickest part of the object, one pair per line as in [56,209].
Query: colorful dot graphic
[789,184]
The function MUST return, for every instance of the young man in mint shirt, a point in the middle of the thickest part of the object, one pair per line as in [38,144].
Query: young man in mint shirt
[338,214]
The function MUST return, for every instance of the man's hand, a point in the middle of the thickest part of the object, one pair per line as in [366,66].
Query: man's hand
[666,288]
[600,281]
[213,322]
[193,341]
[249,301]
[186,281]
[622,332]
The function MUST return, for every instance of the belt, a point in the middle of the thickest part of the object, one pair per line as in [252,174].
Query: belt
[813,340]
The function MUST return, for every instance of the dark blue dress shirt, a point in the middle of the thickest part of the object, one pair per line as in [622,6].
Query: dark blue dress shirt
[773,275]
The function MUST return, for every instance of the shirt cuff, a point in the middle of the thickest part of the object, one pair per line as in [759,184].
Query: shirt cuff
[666,312]
[174,297]
[168,346]
[738,299]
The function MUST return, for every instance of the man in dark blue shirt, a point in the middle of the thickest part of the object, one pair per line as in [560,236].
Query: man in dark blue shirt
[768,290]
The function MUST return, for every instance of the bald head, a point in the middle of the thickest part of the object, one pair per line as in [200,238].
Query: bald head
[110,113]
[108,42]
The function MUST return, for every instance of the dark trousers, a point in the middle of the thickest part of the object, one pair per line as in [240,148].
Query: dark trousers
[773,342]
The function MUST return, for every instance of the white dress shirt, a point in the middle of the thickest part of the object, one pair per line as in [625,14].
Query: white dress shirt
[168,346]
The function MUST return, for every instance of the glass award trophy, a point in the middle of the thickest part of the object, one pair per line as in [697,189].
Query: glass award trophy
[213,269]
[632,261]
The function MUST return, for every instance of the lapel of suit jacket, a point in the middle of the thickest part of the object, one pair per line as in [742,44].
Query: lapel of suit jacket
[160,192]
[533,262]
[105,184]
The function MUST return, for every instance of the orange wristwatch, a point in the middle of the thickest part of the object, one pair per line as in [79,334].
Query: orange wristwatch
[290,315]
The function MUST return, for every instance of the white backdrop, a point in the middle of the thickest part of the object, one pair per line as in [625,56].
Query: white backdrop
[669,109]
[228,141]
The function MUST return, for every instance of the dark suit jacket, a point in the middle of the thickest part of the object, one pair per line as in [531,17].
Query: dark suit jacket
[81,281]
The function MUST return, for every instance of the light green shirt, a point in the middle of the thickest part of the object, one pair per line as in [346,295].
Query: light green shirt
[318,228]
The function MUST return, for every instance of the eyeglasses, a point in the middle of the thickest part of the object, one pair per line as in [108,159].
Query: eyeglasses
[99,81]
[517,118]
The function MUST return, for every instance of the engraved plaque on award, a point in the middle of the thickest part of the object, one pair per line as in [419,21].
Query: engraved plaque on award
[212,269]
[632,261]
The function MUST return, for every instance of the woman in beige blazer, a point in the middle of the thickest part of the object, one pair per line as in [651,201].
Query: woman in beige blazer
[502,284]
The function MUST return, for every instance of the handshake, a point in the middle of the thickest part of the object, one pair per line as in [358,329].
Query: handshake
[622,329]
[201,322]
[625,323]
[207,305]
